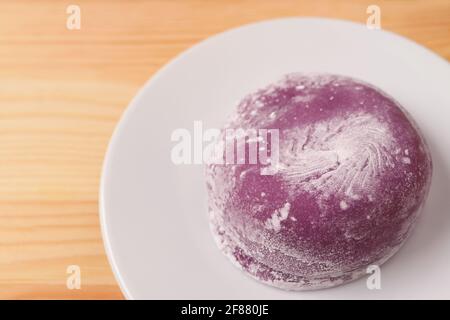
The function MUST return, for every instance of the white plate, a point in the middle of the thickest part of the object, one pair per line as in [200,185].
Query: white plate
[153,213]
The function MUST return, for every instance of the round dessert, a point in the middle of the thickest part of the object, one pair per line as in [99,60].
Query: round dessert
[350,175]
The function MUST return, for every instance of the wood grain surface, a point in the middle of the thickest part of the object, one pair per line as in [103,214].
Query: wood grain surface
[62,92]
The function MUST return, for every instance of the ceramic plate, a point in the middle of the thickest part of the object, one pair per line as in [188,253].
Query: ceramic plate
[153,212]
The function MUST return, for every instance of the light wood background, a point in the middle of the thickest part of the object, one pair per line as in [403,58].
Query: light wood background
[62,92]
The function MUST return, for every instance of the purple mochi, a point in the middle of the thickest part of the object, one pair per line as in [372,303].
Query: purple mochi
[353,174]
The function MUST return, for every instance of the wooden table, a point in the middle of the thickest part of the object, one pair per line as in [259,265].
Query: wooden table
[62,92]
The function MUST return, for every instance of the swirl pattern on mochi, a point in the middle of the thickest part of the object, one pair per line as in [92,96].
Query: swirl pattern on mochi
[337,155]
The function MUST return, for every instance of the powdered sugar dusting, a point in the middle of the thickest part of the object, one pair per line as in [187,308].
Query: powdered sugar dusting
[342,155]
[406,160]
[343,205]
[274,222]
[352,175]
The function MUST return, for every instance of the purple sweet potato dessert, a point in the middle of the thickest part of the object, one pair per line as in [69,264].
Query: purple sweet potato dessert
[352,174]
